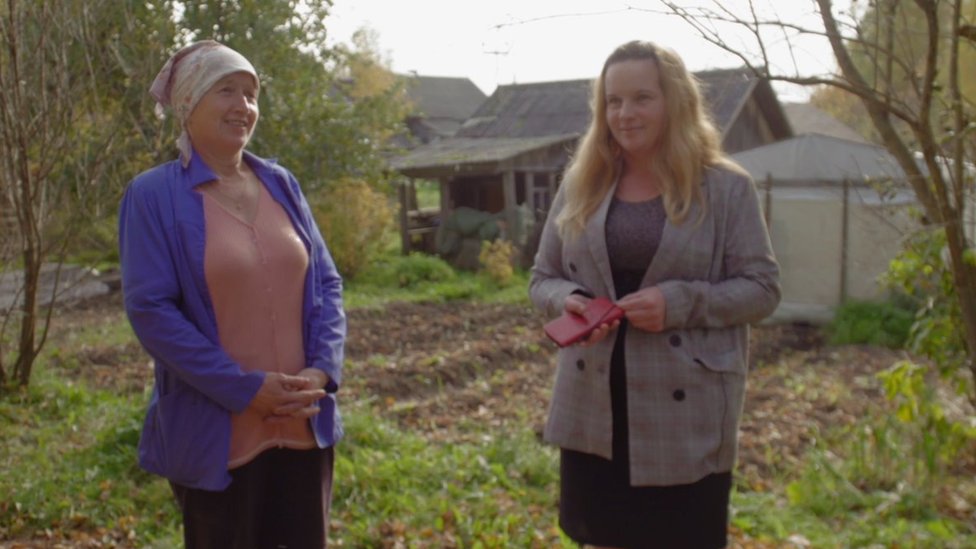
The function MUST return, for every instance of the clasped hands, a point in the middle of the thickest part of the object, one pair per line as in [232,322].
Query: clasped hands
[284,396]
[644,309]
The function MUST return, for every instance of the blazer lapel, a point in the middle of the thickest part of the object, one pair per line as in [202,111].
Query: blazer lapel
[596,239]
[674,241]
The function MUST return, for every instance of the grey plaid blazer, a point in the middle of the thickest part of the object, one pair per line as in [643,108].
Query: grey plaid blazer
[685,385]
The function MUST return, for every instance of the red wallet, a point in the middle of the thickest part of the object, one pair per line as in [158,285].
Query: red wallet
[571,327]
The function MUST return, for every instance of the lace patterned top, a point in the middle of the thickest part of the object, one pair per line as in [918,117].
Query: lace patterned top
[633,233]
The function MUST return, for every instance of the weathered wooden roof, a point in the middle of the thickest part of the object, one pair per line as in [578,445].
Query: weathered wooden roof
[807,118]
[439,97]
[728,90]
[440,104]
[532,110]
[450,154]
[524,111]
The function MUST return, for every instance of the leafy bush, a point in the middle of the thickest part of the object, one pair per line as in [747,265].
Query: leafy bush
[889,472]
[354,219]
[408,271]
[886,323]
[93,243]
[937,437]
[496,261]
[419,277]
[920,273]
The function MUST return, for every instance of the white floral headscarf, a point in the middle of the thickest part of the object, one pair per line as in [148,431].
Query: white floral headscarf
[187,76]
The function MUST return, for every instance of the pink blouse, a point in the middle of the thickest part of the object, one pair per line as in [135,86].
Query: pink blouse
[255,273]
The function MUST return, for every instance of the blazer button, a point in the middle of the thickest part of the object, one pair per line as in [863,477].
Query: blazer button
[675,340]
[572,267]
[580,365]
[678,395]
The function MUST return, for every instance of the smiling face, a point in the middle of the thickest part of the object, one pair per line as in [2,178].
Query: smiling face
[635,107]
[224,119]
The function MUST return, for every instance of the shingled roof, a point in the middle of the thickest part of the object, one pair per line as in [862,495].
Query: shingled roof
[532,110]
[807,118]
[528,111]
[726,91]
[443,102]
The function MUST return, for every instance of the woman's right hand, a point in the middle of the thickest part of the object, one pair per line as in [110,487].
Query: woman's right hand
[284,395]
[645,309]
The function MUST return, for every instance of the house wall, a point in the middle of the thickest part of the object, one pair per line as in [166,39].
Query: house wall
[481,193]
[750,130]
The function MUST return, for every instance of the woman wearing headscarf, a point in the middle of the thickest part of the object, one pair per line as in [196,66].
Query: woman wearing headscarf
[230,288]
[652,215]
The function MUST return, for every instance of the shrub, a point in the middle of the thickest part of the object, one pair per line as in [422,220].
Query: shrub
[354,219]
[921,273]
[886,323]
[496,261]
[418,268]
[409,271]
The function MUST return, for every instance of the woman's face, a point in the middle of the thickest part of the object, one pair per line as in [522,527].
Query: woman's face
[635,104]
[224,119]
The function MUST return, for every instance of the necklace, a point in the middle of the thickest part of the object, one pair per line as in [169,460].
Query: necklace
[238,199]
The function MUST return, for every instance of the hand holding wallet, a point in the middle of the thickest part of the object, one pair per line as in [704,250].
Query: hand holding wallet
[571,327]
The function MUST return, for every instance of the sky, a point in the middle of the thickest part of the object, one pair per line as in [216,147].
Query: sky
[499,42]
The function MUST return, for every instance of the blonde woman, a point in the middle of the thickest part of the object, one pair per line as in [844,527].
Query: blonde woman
[653,216]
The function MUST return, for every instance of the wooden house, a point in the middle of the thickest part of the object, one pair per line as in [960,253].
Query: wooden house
[440,104]
[506,160]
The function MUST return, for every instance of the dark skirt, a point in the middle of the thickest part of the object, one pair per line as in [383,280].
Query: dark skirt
[598,506]
[280,499]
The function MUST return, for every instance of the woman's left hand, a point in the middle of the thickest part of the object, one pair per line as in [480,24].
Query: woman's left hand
[645,309]
[576,304]
[599,334]
[302,409]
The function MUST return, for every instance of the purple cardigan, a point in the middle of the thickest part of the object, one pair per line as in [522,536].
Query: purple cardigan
[186,435]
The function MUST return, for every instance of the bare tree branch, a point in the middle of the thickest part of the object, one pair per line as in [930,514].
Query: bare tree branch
[893,61]
[47,83]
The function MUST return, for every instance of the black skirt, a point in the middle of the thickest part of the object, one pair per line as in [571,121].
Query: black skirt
[598,506]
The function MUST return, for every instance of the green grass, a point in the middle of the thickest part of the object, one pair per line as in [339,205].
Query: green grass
[396,484]
[69,465]
[73,454]
[829,509]
[417,277]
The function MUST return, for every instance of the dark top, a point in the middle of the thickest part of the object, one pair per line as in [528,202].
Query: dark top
[633,232]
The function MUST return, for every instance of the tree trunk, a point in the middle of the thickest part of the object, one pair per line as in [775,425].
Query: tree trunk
[942,207]
[33,104]
[27,350]
[964,278]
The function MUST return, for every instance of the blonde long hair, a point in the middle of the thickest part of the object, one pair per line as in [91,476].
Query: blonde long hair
[689,144]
